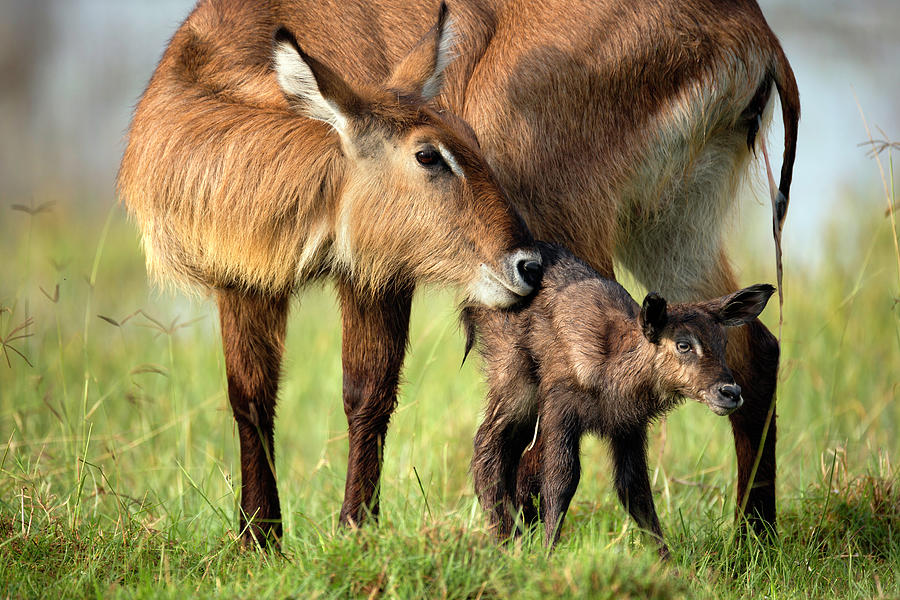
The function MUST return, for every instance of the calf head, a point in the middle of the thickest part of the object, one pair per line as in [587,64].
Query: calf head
[418,201]
[690,341]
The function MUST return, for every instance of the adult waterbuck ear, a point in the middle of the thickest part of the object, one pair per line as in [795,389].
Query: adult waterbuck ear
[742,306]
[653,316]
[422,70]
[310,86]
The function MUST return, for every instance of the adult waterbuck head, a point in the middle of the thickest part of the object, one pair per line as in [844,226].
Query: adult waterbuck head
[365,181]
[417,201]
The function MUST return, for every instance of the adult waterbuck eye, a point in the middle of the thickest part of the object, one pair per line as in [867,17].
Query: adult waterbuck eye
[683,347]
[430,158]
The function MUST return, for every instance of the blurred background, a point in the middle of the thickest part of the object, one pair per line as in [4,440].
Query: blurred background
[72,70]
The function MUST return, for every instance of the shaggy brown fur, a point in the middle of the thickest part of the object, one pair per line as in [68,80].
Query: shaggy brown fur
[582,356]
[620,129]
[234,187]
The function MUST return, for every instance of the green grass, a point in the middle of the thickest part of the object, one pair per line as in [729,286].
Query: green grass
[119,464]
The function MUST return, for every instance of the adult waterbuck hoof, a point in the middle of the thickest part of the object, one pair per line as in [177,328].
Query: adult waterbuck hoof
[261,536]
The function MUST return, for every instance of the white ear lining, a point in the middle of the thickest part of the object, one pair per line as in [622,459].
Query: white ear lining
[445,55]
[451,161]
[297,79]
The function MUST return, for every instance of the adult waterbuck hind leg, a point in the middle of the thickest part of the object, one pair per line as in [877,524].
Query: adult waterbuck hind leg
[253,328]
[375,333]
[753,358]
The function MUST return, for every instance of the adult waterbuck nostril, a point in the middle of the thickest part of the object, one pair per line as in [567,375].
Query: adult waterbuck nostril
[523,271]
[531,271]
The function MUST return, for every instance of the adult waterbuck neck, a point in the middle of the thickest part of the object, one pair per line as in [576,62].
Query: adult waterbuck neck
[251,174]
[619,129]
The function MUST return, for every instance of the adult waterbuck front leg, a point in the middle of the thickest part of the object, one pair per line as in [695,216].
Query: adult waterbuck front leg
[253,328]
[375,333]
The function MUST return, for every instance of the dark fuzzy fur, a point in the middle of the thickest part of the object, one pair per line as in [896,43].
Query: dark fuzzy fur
[583,357]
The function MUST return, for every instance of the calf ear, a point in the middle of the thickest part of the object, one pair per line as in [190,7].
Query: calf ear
[422,70]
[742,306]
[310,86]
[653,316]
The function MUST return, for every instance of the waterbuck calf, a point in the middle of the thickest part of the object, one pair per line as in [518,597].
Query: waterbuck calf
[582,356]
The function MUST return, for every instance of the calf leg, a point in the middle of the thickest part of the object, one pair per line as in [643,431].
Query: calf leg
[561,461]
[633,483]
[498,446]
[253,328]
[529,482]
[375,332]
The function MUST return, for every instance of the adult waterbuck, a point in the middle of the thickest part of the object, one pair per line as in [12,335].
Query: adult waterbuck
[253,168]
[619,129]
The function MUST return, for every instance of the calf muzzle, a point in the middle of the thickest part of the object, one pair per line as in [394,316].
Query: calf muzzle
[726,399]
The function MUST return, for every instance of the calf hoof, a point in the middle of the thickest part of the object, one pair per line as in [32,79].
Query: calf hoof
[664,554]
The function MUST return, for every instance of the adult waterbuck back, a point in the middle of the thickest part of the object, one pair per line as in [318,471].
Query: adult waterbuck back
[619,129]
[253,167]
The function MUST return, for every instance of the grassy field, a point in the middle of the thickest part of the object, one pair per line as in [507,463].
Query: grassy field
[119,464]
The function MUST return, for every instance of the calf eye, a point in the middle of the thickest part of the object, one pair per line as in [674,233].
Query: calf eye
[429,157]
[683,347]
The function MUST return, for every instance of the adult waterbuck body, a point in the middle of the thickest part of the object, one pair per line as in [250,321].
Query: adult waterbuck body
[619,129]
[253,167]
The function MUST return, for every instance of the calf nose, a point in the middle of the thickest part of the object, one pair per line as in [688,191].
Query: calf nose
[731,391]
[531,271]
